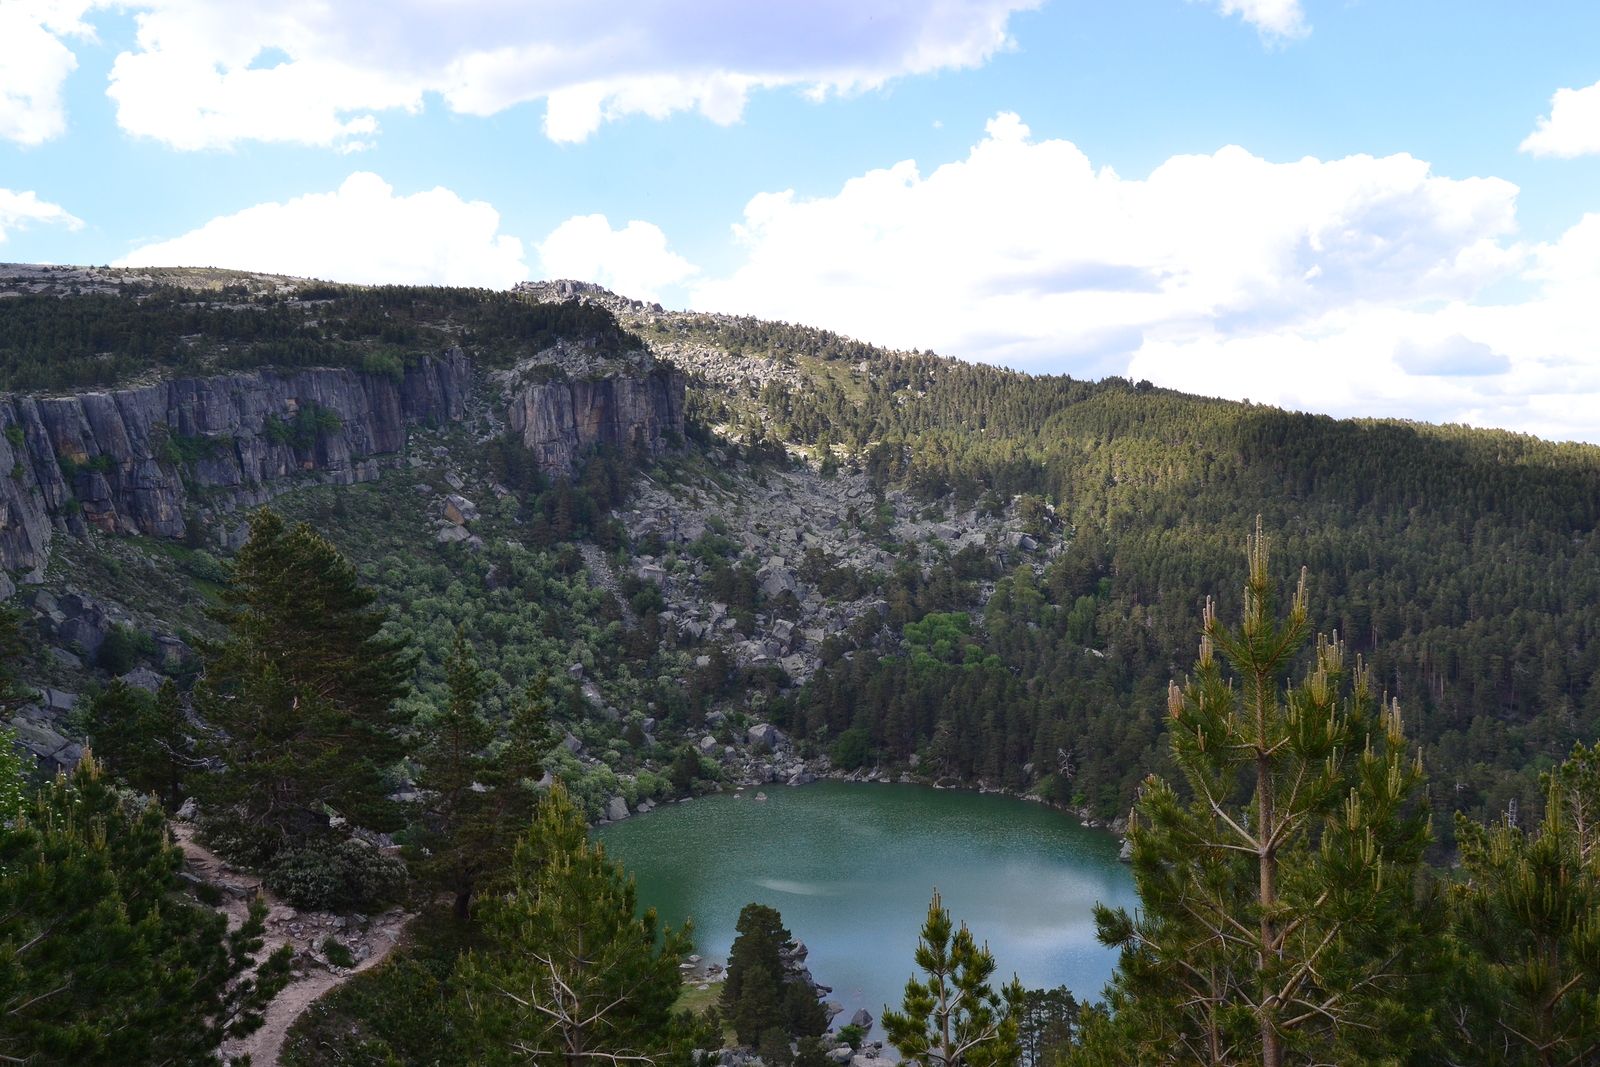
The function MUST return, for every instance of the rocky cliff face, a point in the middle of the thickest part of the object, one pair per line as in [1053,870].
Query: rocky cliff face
[560,420]
[131,460]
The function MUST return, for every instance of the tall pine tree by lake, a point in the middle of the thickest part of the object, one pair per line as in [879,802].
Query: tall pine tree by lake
[478,801]
[1281,919]
[300,697]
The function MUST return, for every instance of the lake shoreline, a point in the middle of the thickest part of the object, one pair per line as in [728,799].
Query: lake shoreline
[820,771]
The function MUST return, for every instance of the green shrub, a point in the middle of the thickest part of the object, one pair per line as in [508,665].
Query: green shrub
[303,430]
[852,749]
[119,653]
[336,876]
[384,365]
[338,953]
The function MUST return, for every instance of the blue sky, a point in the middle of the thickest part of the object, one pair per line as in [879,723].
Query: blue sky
[1365,207]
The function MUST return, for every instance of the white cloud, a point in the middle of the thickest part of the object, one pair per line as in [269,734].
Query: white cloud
[1572,128]
[1354,286]
[34,64]
[18,210]
[361,232]
[1280,20]
[1024,249]
[210,73]
[633,260]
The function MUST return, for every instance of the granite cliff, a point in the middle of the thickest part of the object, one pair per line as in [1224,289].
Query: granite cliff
[147,459]
[560,420]
[137,460]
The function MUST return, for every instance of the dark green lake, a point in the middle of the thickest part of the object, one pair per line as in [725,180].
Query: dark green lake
[851,867]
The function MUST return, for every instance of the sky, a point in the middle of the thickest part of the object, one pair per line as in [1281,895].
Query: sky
[1360,207]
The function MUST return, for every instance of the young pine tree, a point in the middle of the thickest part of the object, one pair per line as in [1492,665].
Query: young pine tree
[301,696]
[953,1018]
[143,738]
[574,972]
[102,961]
[1280,918]
[479,801]
[1527,919]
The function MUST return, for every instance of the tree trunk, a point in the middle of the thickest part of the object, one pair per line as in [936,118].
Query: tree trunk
[1271,1040]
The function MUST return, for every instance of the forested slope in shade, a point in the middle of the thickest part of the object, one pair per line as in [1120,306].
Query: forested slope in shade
[1463,563]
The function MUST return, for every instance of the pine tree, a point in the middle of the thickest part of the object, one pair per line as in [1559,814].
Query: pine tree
[759,993]
[573,969]
[1280,913]
[143,738]
[1527,917]
[952,1017]
[301,696]
[102,962]
[14,648]
[1046,1024]
[479,801]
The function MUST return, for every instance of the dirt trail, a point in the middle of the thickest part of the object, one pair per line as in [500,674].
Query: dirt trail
[369,940]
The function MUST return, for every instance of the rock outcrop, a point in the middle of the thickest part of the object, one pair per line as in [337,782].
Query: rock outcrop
[561,420]
[131,460]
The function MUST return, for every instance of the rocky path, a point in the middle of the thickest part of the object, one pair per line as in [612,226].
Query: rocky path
[369,940]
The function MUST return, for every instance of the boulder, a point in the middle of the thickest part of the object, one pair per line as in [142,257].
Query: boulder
[459,510]
[862,1018]
[766,734]
[617,809]
[866,1059]
[143,678]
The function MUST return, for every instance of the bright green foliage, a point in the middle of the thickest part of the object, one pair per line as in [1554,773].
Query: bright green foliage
[1279,913]
[142,737]
[760,994]
[953,1018]
[102,962]
[574,970]
[301,695]
[1528,919]
[478,802]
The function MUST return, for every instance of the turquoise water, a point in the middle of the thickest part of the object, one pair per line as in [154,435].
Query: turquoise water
[851,867]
